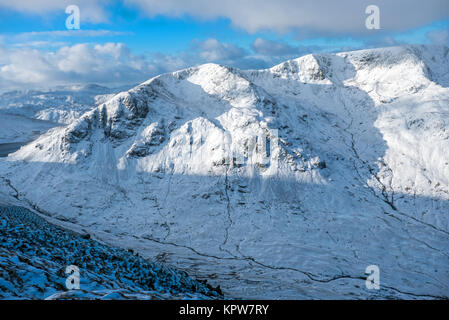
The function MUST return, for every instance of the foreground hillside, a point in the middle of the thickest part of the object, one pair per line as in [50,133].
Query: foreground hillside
[34,255]
[278,183]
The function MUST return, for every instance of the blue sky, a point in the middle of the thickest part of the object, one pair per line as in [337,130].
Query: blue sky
[129,41]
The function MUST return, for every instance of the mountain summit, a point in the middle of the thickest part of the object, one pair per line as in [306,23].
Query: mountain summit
[279,183]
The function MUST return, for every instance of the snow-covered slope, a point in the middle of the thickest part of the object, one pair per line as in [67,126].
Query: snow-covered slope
[34,256]
[355,173]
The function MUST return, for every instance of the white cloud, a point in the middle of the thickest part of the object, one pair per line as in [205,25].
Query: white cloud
[39,44]
[24,67]
[330,16]
[110,63]
[310,16]
[214,51]
[273,48]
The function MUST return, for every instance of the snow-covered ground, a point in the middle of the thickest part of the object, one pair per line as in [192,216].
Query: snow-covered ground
[357,175]
[34,255]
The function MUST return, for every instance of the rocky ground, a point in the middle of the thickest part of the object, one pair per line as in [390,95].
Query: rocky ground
[34,255]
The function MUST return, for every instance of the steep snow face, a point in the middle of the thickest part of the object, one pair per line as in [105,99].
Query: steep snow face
[278,183]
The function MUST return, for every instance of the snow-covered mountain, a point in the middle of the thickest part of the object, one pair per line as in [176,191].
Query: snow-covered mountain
[26,114]
[61,104]
[278,183]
